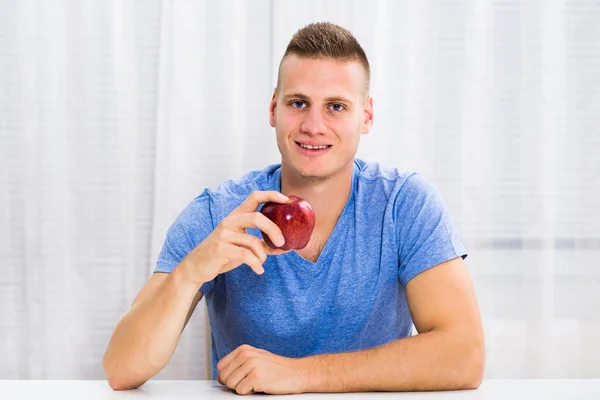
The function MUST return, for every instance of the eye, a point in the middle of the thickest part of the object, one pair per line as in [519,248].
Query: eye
[298,104]
[337,107]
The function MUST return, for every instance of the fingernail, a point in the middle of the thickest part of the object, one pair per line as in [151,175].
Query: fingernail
[261,271]
[284,197]
[279,241]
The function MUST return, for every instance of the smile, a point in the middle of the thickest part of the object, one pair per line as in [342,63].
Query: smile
[313,147]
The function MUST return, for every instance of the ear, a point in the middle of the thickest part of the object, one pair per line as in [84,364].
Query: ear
[368,113]
[272,107]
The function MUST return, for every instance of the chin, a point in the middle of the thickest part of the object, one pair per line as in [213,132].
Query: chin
[309,172]
[316,174]
[315,178]
[316,170]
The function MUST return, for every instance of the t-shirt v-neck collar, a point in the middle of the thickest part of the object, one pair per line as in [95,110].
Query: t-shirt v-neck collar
[325,256]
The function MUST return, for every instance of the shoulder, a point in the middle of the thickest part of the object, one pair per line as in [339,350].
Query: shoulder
[387,180]
[258,179]
[230,193]
[209,207]
[399,188]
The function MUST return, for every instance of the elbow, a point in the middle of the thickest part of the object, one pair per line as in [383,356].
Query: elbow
[474,368]
[465,363]
[118,380]
[474,378]
[117,385]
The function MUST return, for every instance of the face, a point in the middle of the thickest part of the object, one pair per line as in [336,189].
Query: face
[319,112]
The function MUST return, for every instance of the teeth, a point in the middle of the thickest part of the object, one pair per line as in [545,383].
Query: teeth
[307,146]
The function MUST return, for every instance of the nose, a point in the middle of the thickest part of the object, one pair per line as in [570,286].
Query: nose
[313,123]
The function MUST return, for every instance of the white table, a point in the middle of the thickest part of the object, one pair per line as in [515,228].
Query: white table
[200,390]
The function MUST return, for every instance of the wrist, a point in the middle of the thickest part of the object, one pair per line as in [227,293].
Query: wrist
[183,275]
[312,375]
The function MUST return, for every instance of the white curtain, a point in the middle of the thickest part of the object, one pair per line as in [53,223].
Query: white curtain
[114,115]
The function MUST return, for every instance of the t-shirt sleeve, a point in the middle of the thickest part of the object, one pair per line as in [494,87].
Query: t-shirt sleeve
[426,232]
[189,229]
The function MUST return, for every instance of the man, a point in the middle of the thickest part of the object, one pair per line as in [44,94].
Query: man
[337,315]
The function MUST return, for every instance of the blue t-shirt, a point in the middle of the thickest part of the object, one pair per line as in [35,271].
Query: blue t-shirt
[394,226]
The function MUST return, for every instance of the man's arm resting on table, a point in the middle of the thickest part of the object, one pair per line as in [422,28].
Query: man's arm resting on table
[447,354]
[146,336]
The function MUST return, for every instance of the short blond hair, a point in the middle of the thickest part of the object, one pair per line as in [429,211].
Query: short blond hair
[327,40]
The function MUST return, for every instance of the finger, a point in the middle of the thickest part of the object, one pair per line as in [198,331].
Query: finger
[257,220]
[247,257]
[236,255]
[250,242]
[227,359]
[273,252]
[236,376]
[256,198]
[232,366]
[246,385]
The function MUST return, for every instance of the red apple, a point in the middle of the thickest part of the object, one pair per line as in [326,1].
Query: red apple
[296,219]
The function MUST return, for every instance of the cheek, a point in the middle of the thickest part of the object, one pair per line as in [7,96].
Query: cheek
[289,125]
[283,119]
[352,129]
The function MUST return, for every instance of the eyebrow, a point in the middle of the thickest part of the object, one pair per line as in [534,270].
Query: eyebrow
[332,99]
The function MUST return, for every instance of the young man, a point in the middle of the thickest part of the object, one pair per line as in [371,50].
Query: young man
[337,315]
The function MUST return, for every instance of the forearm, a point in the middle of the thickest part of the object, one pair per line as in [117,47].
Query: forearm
[146,337]
[430,361]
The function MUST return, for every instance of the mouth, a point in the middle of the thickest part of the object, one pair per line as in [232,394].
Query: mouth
[313,149]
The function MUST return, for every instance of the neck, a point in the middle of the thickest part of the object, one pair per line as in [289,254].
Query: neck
[327,197]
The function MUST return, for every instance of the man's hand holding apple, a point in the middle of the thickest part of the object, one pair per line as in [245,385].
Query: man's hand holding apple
[229,246]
